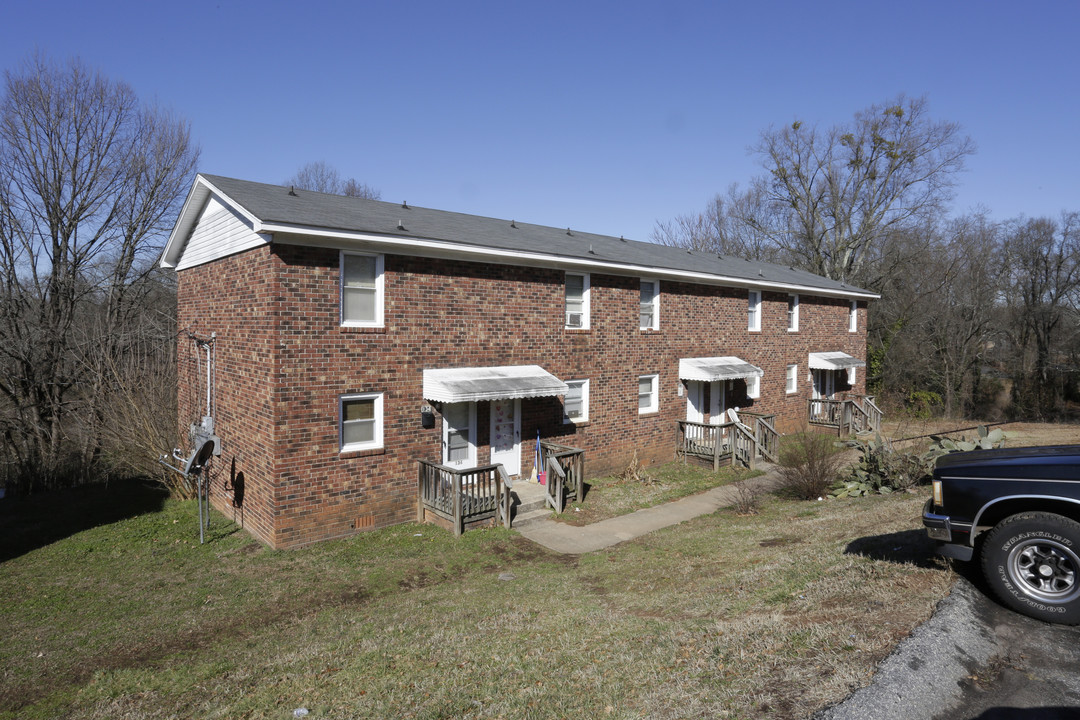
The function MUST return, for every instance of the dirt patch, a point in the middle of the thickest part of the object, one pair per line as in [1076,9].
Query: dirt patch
[779,542]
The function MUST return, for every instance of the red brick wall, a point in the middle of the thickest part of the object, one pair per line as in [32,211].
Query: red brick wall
[233,297]
[441,313]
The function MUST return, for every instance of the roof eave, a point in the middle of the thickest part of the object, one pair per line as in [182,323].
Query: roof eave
[504,256]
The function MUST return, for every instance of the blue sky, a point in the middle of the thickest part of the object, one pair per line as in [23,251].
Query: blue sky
[600,116]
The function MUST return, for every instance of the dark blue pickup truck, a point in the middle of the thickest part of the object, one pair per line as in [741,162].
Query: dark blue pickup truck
[1018,510]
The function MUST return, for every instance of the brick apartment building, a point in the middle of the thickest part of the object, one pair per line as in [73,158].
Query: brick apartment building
[354,337]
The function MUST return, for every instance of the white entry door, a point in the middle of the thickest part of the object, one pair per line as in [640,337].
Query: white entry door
[696,403]
[506,435]
[824,384]
[459,435]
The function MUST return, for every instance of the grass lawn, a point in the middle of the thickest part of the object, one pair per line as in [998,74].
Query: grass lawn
[773,615]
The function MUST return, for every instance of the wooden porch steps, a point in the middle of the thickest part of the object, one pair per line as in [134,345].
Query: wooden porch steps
[529,504]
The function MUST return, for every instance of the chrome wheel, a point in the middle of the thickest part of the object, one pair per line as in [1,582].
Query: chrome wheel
[1045,570]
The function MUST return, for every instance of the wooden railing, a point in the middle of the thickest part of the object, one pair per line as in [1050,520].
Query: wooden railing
[463,496]
[851,415]
[565,468]
[768,440]
[729,441]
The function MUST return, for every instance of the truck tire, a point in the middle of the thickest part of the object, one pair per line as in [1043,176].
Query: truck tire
[1032,561]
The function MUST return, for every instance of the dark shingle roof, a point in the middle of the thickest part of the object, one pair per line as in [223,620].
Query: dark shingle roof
[273,204]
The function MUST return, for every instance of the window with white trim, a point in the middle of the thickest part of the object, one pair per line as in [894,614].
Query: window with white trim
[753,311]
[793,313]
[753,387]
[650,305]
[648,400]
[853,317]
[361,422]
[792,379]
[576,402]
[361,290]
[577,300]
[851,377]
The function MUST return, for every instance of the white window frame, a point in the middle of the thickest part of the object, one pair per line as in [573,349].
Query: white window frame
[379,291]
[753,387]
[584,385]
[585,287]
[654,394]
[655,305]
[792,383]
[793,313]
[753,311]
[377,442]
[853,317]
[851,376]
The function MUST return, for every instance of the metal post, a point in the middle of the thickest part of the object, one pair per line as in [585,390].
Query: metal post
[198,499]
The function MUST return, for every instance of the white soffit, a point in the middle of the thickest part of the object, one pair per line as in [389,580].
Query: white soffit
[472,384]
[712,369]
[834,361]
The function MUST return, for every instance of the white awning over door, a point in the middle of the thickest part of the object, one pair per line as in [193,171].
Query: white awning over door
[834,361]
[712,369]
[452,385]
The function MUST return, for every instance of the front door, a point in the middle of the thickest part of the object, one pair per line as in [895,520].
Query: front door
[701,396]
[459,435]
[506,435]
[824,384]
[695,401]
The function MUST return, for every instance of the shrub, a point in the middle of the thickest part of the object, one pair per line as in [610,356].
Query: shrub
[746,498]
[809,463]
[883,469]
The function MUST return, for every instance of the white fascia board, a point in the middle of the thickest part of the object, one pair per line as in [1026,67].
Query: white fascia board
[443,249]
[200,193]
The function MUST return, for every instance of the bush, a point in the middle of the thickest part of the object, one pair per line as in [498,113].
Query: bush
[746,498]
[883,469]
[809,463]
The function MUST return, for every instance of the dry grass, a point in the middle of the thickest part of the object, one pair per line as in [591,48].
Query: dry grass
[726,616]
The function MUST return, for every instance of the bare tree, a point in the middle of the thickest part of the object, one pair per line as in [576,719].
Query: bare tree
[90,180]
[958,329]
[843,188]
[731,225]
[318,176]
[829,196]
[1041,294]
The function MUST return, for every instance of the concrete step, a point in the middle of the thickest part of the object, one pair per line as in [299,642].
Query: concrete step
[528,496]
[522,519]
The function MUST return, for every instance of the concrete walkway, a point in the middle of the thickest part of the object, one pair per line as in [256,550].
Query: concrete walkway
[573,540]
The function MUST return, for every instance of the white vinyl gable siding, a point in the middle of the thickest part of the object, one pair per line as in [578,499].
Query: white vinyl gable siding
[220,232]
